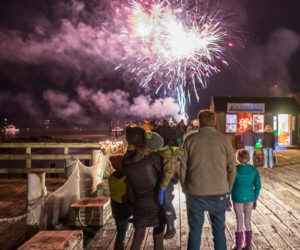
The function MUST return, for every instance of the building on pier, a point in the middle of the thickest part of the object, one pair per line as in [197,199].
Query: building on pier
[235,113]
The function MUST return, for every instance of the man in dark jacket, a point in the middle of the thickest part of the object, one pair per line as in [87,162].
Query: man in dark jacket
[249,139]
[167,133]
[180,131]
[207,175]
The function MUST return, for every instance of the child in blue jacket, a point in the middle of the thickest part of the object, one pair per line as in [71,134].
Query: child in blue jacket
[245,192]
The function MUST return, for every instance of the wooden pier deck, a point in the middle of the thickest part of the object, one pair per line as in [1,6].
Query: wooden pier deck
[275,222]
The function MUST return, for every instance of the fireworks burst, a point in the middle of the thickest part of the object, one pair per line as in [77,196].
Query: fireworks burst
[175,50]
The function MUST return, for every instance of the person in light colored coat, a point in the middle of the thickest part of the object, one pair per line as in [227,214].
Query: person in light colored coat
[207,175]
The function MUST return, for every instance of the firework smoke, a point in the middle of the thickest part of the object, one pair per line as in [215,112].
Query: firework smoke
[268,65]
[65,45]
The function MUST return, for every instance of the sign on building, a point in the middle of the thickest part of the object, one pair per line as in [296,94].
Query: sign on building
[245,108]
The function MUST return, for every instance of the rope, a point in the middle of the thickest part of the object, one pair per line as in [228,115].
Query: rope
[90,220]
[13,219]
[34,202]
[31,203]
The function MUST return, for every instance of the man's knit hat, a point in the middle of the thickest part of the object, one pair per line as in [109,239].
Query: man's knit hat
[116,162]
[243,156]
[154,141]
[135,136]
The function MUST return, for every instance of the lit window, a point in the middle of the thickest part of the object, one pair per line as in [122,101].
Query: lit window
[294,123]
[258,123]
[275,123]
[244,119]
[231,124]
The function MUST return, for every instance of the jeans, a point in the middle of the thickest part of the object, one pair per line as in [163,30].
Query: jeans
[268,152]
[122,226]
[167,204]
[216,207]
[251,152]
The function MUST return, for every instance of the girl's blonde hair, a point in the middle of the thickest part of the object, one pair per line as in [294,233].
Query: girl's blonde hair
[268,129]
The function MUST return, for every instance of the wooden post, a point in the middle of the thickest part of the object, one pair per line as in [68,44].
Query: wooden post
[96,156]
[28,161]
[66,150]
[35,202]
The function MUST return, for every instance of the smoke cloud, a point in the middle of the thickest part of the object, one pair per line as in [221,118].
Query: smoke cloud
[117,104]
[92,107]
[66,109]
[78,46]
[21,103]
[267,65]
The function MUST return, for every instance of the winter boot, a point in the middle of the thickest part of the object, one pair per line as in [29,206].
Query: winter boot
[170,227]
[248,240]
[238,241]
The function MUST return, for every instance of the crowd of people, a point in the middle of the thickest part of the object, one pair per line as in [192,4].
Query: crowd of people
[211,174]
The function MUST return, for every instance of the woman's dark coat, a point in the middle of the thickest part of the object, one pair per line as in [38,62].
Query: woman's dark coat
[143,175]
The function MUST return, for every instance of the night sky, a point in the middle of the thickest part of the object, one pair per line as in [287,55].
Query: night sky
[57,61]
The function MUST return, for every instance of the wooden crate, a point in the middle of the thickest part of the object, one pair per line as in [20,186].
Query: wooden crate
[60,240]
[90,211]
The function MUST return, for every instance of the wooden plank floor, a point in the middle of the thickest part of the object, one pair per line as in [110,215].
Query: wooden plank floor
[275,222]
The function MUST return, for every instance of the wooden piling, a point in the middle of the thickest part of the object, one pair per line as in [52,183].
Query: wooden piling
[35,202]
[96,156]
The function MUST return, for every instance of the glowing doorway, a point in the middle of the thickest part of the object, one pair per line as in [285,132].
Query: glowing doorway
[284,129]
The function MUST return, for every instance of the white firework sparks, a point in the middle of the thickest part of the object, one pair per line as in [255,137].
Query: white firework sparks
[174,50]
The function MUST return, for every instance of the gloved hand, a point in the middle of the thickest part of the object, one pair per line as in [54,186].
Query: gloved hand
[161,195]
[228,204]
[254,204]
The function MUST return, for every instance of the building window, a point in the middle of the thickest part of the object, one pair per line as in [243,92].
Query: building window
[274,123]
[258,123]
[244,119]
[231,123]
[284,129]
[294,123]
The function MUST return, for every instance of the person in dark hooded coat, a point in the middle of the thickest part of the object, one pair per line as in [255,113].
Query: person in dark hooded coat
[143,171]
[167,133]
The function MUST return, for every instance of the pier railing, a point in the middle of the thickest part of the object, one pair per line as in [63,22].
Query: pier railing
[28,157]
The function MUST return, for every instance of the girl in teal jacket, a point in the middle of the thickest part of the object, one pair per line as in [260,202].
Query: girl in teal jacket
[245,192]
